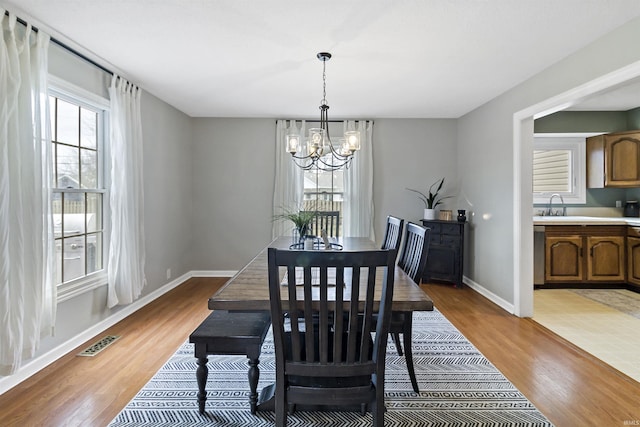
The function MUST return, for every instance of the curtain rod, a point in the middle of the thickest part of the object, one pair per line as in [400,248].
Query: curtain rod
[316,121]
[66,47]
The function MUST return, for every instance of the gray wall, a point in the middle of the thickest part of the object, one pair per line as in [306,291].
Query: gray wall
[234,177]
[485,152]
[168,197]
[411,153]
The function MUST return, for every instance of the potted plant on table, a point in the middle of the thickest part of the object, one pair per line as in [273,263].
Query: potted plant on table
[301,221]
[432,199]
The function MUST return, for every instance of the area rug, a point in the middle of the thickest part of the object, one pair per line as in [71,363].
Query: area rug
[458,387]
[619,299]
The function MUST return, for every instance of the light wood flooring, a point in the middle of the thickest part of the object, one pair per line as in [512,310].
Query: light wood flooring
[571,387]
[609,334]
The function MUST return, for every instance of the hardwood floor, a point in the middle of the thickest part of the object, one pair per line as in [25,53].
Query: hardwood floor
[568,385]
[90,391]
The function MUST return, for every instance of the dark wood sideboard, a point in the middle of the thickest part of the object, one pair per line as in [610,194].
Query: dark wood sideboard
[445,261]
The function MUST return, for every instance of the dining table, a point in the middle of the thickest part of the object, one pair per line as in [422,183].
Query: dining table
[248,290]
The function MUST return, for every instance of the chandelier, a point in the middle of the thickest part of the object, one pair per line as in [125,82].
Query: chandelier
[319,152]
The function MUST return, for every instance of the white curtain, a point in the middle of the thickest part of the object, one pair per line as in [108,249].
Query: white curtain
[289,187]
[127,249]
[358,185]
[27,287]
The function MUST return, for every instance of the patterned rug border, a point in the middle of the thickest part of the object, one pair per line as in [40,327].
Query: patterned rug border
[623,300]
[458,387]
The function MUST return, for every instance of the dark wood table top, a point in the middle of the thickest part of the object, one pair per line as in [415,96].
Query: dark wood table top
[249,288]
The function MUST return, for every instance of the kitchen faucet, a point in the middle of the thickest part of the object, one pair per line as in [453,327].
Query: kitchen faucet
[550,210]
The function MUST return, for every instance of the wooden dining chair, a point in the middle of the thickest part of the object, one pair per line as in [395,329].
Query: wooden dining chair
[328,221]
[393,233]
[322,319]
[412,260]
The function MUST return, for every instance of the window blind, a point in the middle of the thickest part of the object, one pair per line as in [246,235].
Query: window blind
[552,171]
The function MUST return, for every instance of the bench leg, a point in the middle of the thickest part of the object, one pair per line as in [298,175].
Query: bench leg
[202,372]
[254,376]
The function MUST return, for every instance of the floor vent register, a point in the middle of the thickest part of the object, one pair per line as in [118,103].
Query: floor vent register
[99,346]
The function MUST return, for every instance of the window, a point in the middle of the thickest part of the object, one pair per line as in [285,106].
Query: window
[324,190]
[79,190]
[559,165]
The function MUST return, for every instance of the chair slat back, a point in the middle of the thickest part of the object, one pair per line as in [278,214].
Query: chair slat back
[328,221]
[393,233]
[413,257]
[329,319]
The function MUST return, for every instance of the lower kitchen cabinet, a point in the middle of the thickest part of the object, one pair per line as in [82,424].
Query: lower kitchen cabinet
[633,256]
[585,254]
[605,260]
[563,259]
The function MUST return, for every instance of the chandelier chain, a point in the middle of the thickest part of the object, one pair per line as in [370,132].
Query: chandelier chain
[324,82]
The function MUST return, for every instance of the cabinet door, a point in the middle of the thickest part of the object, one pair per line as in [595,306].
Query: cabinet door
[622,159]
[633,260]
[605,262]
[442,263]
[563,259]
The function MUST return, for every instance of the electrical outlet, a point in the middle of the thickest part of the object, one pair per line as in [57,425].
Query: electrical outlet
[168,273]
[618,203]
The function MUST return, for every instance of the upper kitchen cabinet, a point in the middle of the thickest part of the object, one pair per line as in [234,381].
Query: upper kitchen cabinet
[613,160]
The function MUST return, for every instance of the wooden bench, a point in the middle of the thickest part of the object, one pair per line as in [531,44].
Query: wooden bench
[229,332]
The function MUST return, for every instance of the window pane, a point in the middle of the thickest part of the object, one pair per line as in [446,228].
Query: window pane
[68,119]
[94,212]
[52,116]
[57,214]
[324,191]
[88,133]
[73,222]
[68,167]
[58,256]
[73,258]
[89,172]
[94,252]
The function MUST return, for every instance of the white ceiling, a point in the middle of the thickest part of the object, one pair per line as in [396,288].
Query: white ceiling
[391,58]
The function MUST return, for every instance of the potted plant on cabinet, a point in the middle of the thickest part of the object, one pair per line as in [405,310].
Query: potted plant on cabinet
[431,200]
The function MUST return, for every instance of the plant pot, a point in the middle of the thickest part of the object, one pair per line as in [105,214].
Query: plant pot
[429,214]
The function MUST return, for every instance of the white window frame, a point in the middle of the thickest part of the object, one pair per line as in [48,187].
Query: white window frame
[77,95]
[576,143]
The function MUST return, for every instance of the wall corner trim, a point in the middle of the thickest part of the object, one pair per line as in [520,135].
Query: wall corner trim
[502,303]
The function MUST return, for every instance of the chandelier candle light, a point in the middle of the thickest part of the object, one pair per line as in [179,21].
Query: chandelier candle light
[319,152]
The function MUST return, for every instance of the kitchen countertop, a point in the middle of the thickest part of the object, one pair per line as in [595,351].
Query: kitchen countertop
[584,220]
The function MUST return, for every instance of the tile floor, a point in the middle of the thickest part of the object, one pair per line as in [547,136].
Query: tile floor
[608,334]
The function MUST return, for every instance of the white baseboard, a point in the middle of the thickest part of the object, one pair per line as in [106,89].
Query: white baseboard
[215,273]
[38,363]
[504,304]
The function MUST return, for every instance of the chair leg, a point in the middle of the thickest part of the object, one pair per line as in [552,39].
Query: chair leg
[408,353]
[280,407]
[396,339]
